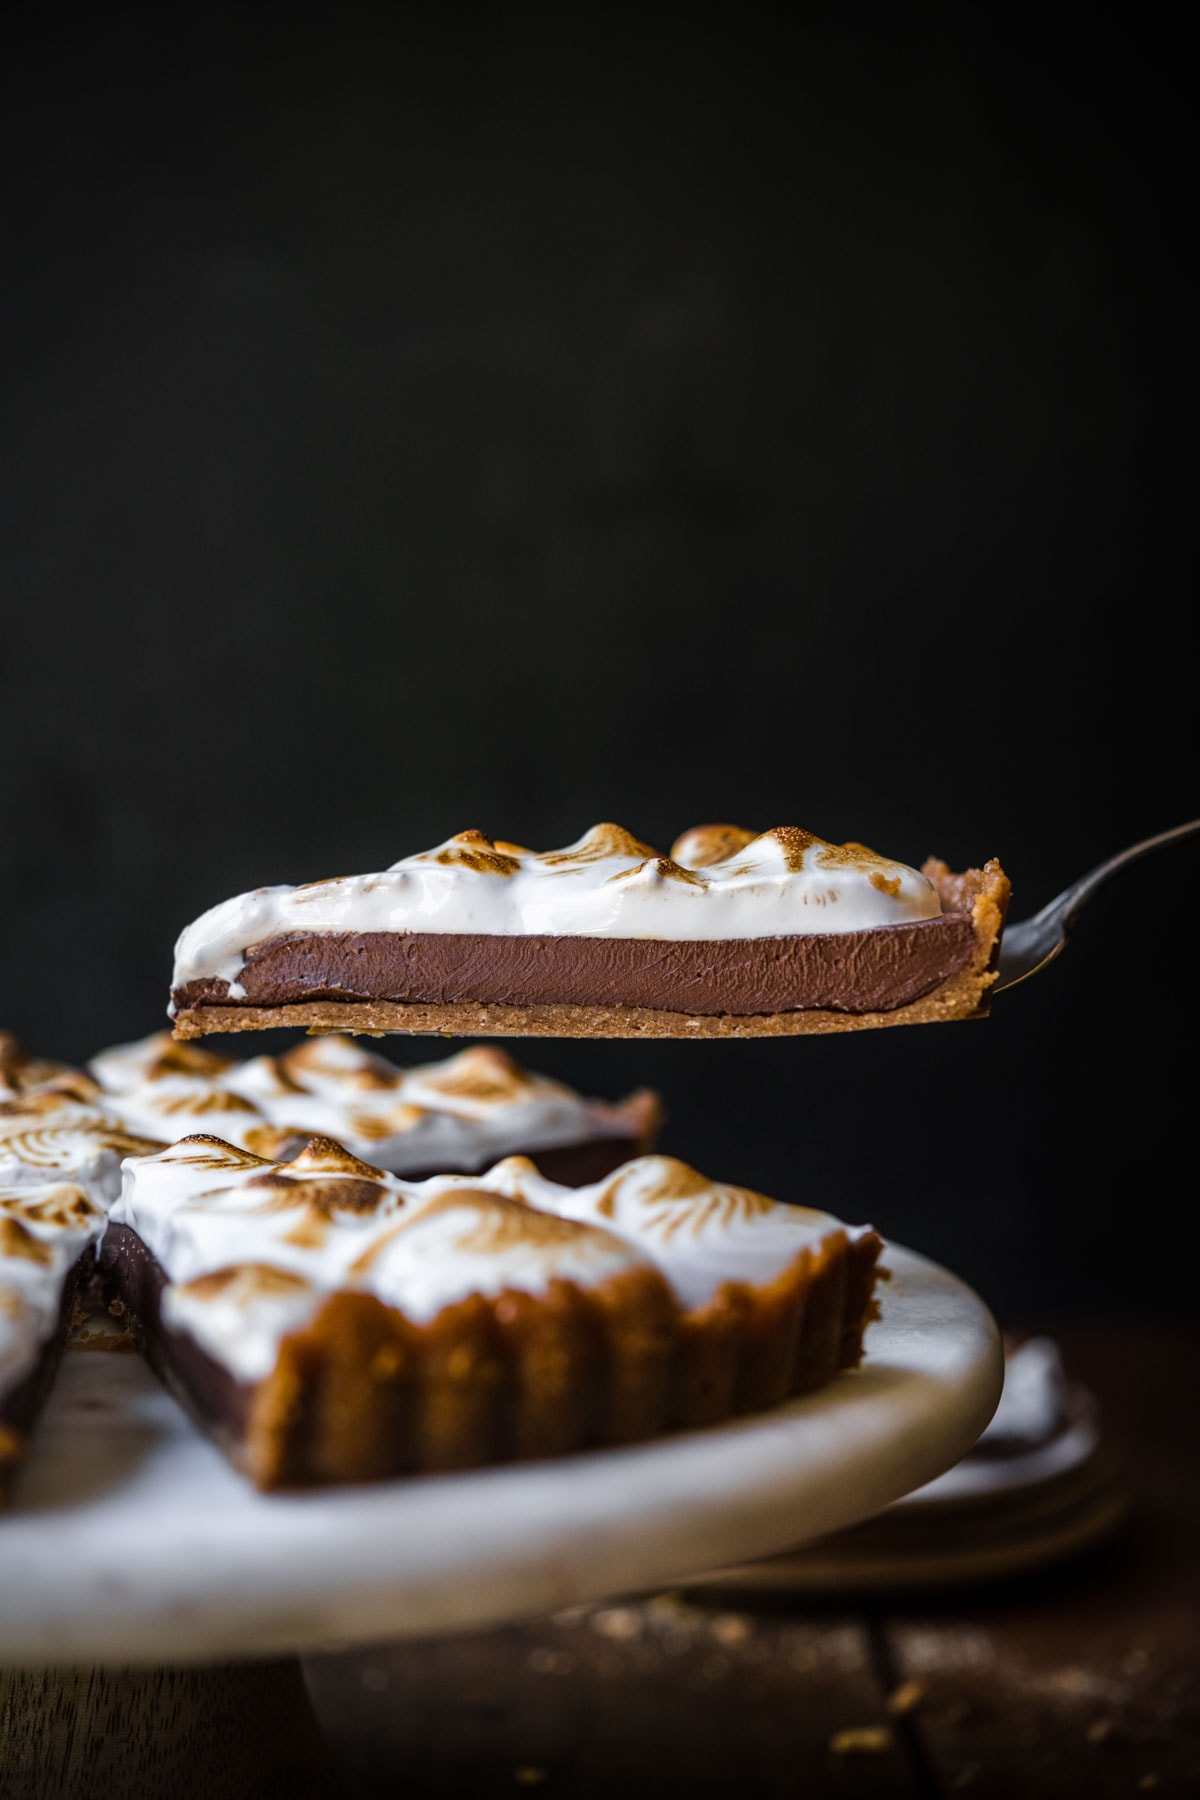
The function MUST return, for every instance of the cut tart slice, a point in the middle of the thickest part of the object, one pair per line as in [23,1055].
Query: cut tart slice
[457,1115]
[329,1322]
[732,935]
[60,1169]
[49,1233]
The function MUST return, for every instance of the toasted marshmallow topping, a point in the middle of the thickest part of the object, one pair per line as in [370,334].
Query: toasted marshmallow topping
[699,1233]
[459,1114]
[252,1248]
[21,1073]
[783,883]
[52,1135]
[44,1229]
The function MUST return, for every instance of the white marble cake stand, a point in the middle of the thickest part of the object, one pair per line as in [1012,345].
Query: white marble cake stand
[130,1541]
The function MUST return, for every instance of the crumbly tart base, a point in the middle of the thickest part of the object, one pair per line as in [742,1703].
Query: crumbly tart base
[983,894]
[363,1394]
[20,1405]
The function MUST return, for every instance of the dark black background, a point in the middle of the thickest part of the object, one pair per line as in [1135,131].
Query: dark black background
[417,421]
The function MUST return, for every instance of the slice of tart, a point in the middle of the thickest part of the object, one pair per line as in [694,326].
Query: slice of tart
[49,1232]
[60,1169]
[457,1115]
[733,934]
[327,1321]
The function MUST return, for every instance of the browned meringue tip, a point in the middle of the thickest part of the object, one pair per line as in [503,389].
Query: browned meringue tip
[203,1148]
[20,1069]
[274,1142]
[242,1282]
[325,1156]
[362,1068]
[489,1057]
[639,1115]
[509,1165]
[481,1072]
[42,1102]
[171,1058]
[703,845]
[22,1245]
[475,850]
[72,1084]
[61,1203]
[601,841]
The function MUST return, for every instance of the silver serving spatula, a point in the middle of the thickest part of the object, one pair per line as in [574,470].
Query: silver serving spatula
[1030,944]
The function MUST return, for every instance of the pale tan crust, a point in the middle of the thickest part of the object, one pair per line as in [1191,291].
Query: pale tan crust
[964,996]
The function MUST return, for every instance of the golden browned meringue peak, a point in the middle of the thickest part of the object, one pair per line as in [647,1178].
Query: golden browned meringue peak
[458,1114]
[328,1223]
[703,845]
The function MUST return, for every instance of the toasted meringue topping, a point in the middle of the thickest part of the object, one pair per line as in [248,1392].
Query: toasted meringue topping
[726,884]
[16,1241]
[460,1113]
[700,1233]
[50,1133]
[253,1305]
[419,1246]
[21,1073]
[251,1249]
[44,1229]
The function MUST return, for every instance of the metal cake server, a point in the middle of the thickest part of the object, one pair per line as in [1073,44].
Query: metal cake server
[1030,944]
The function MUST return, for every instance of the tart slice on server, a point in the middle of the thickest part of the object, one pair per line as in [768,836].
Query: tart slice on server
[327,1321]
[734,934]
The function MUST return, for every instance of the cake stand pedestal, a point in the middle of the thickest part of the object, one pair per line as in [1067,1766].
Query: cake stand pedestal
[152,1604]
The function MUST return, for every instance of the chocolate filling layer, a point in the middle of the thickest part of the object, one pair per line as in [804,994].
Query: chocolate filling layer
[209,1392]
[854,971]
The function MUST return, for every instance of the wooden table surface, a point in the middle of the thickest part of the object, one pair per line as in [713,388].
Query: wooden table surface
[1081,1680]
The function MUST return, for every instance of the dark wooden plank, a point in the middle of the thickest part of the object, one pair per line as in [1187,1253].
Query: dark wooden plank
[224,1733]
[1085,1680]
[641,1697]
